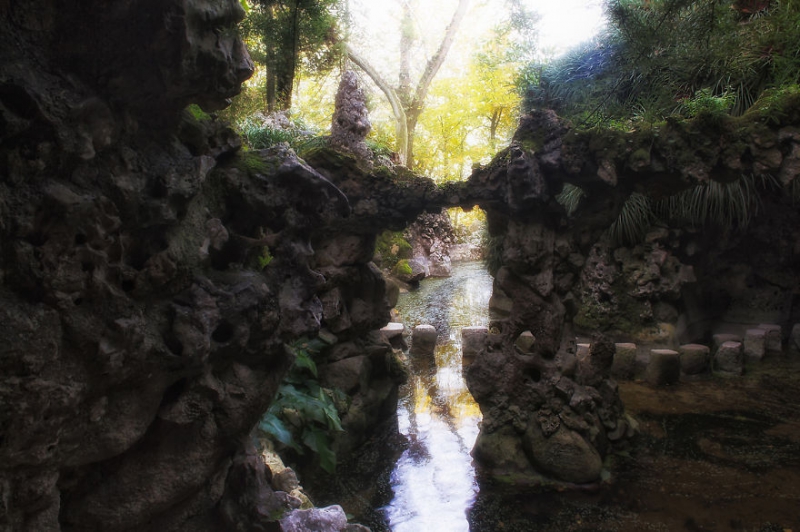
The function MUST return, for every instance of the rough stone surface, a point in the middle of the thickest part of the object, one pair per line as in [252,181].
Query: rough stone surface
[729,359]
[721,338]
[664,367]
[472,342]
[755,343]
[695,359]
[393,329]
[330,519]
[431,236]
[773,340]
[563,454]
[423,339]
[350,124]
[624,365]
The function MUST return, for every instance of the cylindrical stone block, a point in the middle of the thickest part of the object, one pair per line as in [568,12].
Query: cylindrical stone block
[695,358]
[392,329]
[755,343]
[773,338]
[423,340]
[472,342]
[719,339]
[664,367]
[729,358]
[624,365]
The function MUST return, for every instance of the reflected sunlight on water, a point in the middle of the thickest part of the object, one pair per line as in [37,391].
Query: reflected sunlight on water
[433,481]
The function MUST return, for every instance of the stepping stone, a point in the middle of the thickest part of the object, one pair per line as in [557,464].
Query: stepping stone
[695,358]
[423,340]
[719,339]
[729,359]
[755,343]
[773,340]
[525,341]
[664,367]
[472,341]
[392,329]
[624,365]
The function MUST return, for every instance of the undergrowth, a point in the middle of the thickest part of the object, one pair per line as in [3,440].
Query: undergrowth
[304,415]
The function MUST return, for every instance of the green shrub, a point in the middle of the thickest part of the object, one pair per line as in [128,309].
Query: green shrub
[304,414]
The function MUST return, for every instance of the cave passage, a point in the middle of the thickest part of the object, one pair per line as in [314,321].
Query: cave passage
[434,481]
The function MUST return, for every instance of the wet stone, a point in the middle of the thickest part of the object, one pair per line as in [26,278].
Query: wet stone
[423,340]
[729,359]
[773,337]
[695,358]
[472,342]
[755,343]
[392,329]
[624,365]
[664,367]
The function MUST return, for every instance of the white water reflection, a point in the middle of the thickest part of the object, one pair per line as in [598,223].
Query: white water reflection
[434,481]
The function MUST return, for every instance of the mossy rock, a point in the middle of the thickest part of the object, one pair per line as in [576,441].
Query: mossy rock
[391,247]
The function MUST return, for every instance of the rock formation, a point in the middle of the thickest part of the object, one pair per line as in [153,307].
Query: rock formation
[144,323]
[151,274]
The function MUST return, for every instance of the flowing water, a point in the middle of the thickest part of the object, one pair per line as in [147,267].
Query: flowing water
[713,454]
[433,480]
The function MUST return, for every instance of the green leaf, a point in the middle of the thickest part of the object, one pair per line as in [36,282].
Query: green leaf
[274,427]
[318,441]
[245,6]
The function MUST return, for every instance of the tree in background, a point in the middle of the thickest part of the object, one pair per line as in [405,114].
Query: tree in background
[407,104]
[284,35]
[659,56]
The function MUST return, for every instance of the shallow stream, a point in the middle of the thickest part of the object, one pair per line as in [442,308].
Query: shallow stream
[717,454]
[433,481]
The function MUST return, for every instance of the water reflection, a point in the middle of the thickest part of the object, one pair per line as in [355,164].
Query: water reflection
[433,481]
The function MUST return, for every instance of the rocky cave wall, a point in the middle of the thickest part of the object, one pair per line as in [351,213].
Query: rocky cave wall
[144,328]
[144,335]
[550,411]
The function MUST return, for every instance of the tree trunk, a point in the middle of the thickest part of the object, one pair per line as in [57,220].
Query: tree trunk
[407,110]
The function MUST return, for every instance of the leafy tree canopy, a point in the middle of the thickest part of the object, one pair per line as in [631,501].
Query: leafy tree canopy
[659,56]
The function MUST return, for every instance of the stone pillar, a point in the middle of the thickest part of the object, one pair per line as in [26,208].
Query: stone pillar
[664,367]
[755,343]
[772,340]
[729,359]
[695,358]
[423,340]
[350,124]
[624,365]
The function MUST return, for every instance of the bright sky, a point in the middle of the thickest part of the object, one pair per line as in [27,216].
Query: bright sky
[563,23]
[567,22]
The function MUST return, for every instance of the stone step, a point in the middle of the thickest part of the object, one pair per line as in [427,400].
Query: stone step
[423,340]
[392,329]
[472,342]
[663,368]
[695,358]
[729,359]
